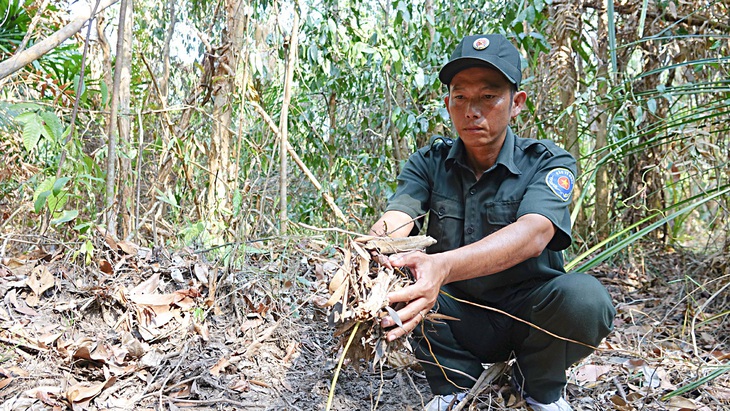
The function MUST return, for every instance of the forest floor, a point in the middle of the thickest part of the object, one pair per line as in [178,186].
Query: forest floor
[121,327]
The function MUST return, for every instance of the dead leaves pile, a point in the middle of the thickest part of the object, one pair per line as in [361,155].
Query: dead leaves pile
[138,319]
[359,291]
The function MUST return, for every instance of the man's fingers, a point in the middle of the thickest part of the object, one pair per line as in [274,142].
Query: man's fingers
[407,327]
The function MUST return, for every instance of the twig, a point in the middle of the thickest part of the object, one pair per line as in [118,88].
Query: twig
[284,123]
[179,361]
[31,27]
[620,389]
[697,313]
[496,310]
[339,366]
[326,229]
[488,375]
[413,383]
[239,404]
[327,197]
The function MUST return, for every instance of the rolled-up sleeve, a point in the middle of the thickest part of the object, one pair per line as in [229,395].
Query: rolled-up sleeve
[414,189]
[549,193]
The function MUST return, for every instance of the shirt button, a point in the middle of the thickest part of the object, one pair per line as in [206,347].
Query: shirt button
[472,191]
[441,211]
[470,230]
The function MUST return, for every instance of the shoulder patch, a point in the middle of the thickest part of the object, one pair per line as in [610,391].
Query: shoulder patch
[561,182]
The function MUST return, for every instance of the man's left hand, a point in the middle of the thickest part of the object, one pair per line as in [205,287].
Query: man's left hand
[419,297]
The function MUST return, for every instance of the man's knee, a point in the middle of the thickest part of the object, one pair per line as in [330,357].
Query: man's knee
[579,300]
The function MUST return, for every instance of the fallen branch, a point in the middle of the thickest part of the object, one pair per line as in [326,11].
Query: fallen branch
[327,197]
[39,49]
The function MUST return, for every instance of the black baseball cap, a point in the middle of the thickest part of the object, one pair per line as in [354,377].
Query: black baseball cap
[484,50]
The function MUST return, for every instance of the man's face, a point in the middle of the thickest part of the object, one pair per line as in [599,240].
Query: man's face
[481,103]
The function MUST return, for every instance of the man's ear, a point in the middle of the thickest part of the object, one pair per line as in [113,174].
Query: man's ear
[518,103]
[446,102]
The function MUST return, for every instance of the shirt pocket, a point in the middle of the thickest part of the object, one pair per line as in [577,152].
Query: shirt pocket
[499,215]
[446,223]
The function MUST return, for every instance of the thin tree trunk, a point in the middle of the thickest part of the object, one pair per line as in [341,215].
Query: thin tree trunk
[164,80]
[602,195]
[111,161]
[106,54]
[284,120]
[125,184]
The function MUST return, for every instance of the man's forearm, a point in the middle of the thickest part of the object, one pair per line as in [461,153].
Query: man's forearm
[392,224]
[524,239]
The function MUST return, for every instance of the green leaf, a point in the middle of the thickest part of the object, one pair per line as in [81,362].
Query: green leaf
[53,126]
[420,78]
[24,117]
[58,185]
[68,215]
[40,201]
[651,105]
[32,132]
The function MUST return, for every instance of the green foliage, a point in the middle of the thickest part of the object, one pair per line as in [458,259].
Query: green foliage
[14,23]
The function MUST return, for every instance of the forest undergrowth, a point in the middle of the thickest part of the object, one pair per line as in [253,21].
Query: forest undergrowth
[132,327]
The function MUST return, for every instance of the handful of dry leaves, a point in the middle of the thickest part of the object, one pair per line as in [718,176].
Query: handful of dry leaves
[359,294]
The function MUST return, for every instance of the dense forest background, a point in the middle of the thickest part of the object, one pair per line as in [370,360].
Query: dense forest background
[218,125]
[211,122]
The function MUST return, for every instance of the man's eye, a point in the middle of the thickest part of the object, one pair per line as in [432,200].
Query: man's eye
[488,97]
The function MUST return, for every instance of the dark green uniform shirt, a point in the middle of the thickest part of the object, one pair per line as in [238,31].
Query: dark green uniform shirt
[529,177]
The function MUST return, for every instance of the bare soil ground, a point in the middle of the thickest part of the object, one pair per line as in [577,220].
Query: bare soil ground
[123,327]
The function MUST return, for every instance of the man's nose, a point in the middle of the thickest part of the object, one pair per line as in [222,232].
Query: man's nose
[473,110]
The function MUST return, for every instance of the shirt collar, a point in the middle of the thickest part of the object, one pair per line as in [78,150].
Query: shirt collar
[505,157]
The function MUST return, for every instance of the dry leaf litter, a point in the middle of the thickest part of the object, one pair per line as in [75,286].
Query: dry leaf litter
[108,325]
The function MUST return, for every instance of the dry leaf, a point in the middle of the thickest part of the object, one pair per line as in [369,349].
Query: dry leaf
[220,366]
[590,373]
[127,247]
[40,280]
[108,238]
[337,295]
[201,273]
[83,392]
[148,286]
[240,385]
[5,382]
[202,330]
[682,404]
[106,267]
[337,280]
[19,306]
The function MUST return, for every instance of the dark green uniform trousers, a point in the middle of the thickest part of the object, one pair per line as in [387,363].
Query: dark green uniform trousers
[573,305]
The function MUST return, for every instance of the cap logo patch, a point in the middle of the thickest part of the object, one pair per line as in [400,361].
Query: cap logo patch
[481,43]
[561,182]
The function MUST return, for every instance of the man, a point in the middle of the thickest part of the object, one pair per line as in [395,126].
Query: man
[498,206]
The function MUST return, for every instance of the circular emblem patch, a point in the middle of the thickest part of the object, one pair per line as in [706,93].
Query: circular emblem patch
[481,43]
[560,181]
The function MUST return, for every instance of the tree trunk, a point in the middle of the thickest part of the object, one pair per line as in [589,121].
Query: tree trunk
[602,192]
[284,120]
[125,184]
[224,82]
[567,29]
[106,63]
[165,78]
[111,161]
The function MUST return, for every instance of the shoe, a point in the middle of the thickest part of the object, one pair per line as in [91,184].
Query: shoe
[444,402]
[559,405]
